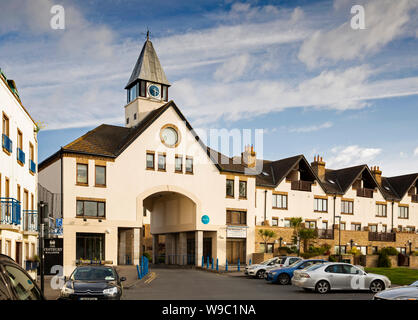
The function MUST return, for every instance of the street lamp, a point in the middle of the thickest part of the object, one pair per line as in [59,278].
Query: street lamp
[280,242]
[339,238]
[410,247]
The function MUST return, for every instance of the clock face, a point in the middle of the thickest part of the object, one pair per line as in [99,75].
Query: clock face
[169,136]
[154,91]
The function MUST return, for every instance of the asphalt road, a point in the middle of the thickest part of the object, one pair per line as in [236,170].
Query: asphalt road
[191,284]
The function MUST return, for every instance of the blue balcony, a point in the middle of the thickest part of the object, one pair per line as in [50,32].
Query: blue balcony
[32,166]
[20,156]
[10,211]
[7,143]
[30,220]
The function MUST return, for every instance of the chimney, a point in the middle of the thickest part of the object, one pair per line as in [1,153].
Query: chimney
[318,166]
[377,174]
[248,157]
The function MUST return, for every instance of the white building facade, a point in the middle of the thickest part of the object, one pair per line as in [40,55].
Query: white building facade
[18,176]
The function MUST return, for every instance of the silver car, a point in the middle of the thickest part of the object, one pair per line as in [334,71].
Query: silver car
[339,276]
[400,293]
[258,270]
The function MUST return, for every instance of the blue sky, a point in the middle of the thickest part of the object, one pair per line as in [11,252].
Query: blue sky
[294,68]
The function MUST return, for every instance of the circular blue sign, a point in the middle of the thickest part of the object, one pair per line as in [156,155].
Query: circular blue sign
[205,219]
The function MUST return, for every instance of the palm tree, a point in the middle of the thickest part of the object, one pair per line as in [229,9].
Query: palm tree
[296,224]
[306,235]
[266,235]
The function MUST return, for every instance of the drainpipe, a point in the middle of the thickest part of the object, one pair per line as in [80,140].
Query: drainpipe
[265,205]
[335,199]
[393,204]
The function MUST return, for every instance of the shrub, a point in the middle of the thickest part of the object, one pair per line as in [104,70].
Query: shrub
[390,251]
[383,261]
[148,256]
[332,259]
[287,249]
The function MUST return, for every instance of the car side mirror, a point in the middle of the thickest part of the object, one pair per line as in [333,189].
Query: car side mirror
[122,279]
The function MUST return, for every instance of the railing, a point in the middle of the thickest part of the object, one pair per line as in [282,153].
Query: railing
[301,185]
[365,192]
[7,143]
[415,198]
[32,166]
[20,155]
[30,220]
[382,236]
[325,233]
[10,211]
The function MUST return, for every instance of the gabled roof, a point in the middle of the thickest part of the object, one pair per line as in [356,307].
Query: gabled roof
[148,67]
[400,185]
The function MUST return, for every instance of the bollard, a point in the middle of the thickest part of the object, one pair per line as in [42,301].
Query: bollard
[207,263]
[217,264]
[203,261]
[238,265]
[250,261]
[226,265]
[212,263]
[139,273]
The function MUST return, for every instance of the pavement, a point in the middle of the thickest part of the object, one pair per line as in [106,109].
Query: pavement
[195,284]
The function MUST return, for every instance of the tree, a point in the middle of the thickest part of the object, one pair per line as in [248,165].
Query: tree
[306,235]
[296,224]
[266,235]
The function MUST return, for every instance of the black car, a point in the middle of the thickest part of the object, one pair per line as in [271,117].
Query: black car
[15,283]
[93,282]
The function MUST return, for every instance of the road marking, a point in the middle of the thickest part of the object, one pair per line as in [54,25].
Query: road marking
[151,277]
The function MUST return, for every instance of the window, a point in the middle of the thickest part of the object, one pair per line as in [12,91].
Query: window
[229,188]
[324,225]
[100,175]
[135,116]
[19,139]
[375,250]
[236,217]
[356,226]
[5,127]
[165,93]
[310,224]
[144,212]
[179,164]
[150,161]
[161,162]
[189,165]
[82,173]
[243,189]
[133,92]
[279,201]
[373,228]
[336,268]
[403,213]
[347,207]
[22,284]
[381,210]
[321,205]
[384,228]
[143,89]
[127,120]
[342,225]
[275,222]
[287,223]
[31,152]
[94,209]
[7,187]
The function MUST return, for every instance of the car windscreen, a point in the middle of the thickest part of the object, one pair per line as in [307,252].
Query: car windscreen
[415,284]
[268,261]
[93,274]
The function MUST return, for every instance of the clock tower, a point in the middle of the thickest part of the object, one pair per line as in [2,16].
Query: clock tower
[147,88]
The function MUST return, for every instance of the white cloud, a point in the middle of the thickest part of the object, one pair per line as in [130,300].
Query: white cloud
[351,156]
[416,152]
[385,21]
[232,69]
[312,128]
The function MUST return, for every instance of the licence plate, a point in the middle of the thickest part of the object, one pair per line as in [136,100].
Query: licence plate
[88,298]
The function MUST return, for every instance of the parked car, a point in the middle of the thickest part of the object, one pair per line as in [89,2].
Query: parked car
[284,275]
[258,270]
[400,293]
[15,282]
[339,276]
[93,282]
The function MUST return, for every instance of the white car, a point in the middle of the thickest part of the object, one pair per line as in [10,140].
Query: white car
[258,270]
[338,276]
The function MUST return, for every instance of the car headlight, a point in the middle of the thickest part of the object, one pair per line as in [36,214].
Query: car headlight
[110,291]
[67,290]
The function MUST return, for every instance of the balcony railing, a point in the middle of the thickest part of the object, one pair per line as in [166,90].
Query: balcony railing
[301,185]
[30,220]
[7,143]
[382,236]
[10,211]
[325,233]
[414,198]
[32,166]
[20,155]
[365,192]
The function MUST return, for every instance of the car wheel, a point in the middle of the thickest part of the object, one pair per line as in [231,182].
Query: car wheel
[322,287]
[260,274]
[377,286]
[284,279]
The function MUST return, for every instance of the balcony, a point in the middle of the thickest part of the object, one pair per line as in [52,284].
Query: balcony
[382,236]
[10,211]
[325,233]
[32,166]
[301,185]
[20,156]
[414,198]
[30,220]
[365,193]
[7,143]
